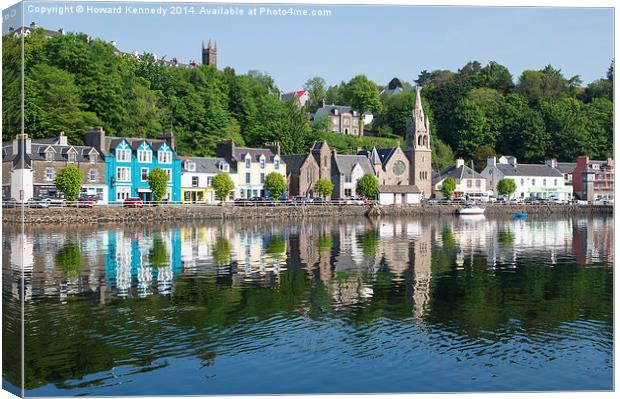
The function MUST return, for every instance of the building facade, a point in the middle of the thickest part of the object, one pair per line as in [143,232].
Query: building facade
[390,165]
[468,181]
[209,54]
[532,180]
[346,171]
[419,148]
[341,119]
[593,180]
[197,179]
[399,195]
[250,166]
[30,167]
[130,160]
[302,171]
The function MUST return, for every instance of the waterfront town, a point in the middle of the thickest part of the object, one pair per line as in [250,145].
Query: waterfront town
[115,169]
[296,206]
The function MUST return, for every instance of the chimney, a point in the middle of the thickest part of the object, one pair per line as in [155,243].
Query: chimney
[552,162]
[460,162]
[491,161]
[22,139]
[274,147]
[225,149]
[168,138]
[322,103]
[95,137]
[62,139]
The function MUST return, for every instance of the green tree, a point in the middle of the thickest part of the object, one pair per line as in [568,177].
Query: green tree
[470,128]
[158,255]
[69,259]
[222,185]
[442,155]
[362,94]
[324,187]
[275,185]
[506,187]
[394,83]
[497,77]
[524,134]
[317,94]
[481,155]
[69,182]
[158,182]
[447,187]
[367,186]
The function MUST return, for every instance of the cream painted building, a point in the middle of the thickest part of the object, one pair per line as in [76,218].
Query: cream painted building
[250,166]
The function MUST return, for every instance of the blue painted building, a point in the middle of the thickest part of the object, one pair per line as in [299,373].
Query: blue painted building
[129,161]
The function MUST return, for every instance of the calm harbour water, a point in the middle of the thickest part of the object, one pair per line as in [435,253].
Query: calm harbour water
[317,306]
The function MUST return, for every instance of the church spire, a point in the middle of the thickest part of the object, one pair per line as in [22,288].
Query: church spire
[418,111]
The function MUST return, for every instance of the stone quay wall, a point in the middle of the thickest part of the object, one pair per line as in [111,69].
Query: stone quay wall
[64,216]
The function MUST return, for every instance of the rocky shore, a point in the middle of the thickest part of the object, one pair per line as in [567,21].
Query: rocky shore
[104,215]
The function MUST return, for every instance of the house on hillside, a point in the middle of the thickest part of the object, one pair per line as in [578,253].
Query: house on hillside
[468,181]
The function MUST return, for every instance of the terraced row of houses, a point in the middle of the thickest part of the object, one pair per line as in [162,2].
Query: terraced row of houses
[117,168]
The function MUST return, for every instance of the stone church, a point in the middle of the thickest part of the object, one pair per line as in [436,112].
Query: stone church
[419,148]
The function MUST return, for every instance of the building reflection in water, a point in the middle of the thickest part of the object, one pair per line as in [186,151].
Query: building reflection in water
[345,257]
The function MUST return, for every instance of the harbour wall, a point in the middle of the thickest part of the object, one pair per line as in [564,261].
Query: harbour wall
[64,216]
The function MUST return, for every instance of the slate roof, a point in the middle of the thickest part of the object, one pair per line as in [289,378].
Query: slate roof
[294,162]
[457,173]
[566,167]
[203,165]
[38,147]
[134,142]
[330,110]
[383,155]
[528,170]
[405,188]
[346,163]
[255,153]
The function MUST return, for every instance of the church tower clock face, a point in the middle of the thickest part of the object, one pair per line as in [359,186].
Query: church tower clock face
[398,168]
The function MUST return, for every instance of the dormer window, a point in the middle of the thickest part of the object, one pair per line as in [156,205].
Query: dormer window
[164,157]
[262,162]
[276,164]
[49,156]
[190,166]
[248,162]
[92,158]
[71,157]
[145,156]
[123,155]
[224,167]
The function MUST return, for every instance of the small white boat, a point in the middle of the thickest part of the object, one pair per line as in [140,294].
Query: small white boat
[471,210]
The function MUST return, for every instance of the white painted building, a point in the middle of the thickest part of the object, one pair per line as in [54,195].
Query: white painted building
[399,195]
[532,180]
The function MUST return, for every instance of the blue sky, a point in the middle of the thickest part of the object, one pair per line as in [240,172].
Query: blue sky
[378,41]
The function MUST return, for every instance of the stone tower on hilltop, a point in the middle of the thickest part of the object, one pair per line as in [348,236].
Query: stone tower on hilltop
[419,148]
[209,54]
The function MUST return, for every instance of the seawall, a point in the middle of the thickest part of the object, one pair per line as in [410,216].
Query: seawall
[64,216]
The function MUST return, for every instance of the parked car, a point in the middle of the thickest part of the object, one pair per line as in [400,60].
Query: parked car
[354,201]
[242,202]
[303,200]
[86,201]
[319,201]
[37,202]
[8,202]
[133,202]
[56,200]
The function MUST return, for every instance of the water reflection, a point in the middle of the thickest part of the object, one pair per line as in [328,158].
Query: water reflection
[493,293]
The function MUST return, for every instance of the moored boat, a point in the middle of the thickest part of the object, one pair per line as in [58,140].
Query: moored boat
[471,210]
